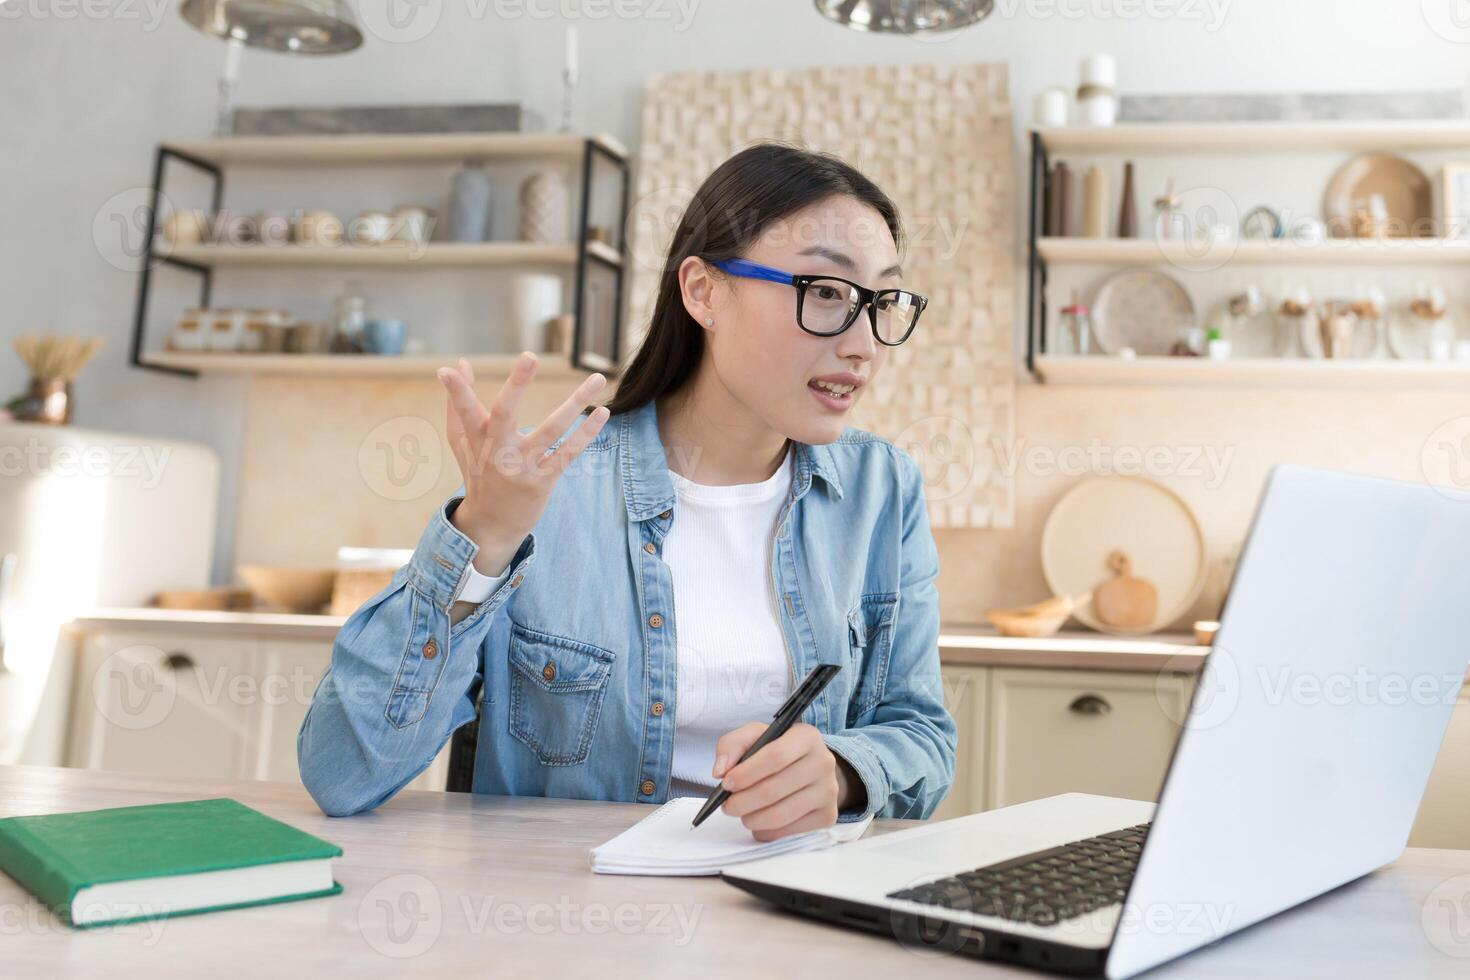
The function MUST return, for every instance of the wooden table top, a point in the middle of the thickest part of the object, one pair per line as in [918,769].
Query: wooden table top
[453,885]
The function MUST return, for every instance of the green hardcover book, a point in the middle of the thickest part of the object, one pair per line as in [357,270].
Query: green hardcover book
[103,867]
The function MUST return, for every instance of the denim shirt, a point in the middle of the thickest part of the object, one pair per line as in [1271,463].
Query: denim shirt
[572,658]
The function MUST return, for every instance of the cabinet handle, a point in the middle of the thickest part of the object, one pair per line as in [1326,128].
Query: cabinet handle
[1090,704]
[178,661]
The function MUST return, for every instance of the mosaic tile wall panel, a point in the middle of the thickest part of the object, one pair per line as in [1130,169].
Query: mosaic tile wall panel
[938,140]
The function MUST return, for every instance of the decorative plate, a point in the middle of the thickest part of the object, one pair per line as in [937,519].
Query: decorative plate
[1406,193]
[1143,309]
[1145,520]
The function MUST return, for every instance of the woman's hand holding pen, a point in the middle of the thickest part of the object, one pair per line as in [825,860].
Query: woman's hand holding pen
[508,476]
[793,785]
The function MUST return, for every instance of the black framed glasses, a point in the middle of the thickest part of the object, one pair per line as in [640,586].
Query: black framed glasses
[828,305]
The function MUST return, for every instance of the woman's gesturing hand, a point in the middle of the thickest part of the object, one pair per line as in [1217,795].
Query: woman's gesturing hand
[792,785]
[508,476]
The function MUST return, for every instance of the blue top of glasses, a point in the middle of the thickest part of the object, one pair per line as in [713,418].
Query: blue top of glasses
[754,270]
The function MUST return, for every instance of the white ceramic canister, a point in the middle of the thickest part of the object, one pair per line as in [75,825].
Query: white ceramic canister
[1097,91]
[536,297]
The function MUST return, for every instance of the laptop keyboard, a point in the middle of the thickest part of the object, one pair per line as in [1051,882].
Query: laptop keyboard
[1043,888]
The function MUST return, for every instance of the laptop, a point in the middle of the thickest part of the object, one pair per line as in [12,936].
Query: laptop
[1300,765]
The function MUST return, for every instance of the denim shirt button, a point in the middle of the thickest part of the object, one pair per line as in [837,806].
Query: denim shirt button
[431,649]
[647,787]
[655,620]
[650,547]
[665,514]
[657,709]
[549,672]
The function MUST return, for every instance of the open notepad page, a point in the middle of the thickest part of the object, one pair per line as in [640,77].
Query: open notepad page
[665,843]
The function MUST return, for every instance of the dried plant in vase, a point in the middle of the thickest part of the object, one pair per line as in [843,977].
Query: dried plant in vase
[54,363]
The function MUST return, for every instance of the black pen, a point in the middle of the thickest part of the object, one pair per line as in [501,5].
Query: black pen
[785,717]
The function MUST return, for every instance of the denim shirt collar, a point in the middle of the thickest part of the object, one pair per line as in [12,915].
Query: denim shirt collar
[647,489]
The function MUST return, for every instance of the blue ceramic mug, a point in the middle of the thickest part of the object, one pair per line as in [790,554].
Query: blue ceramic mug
[385,336]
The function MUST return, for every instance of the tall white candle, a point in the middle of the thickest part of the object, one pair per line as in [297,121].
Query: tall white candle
[232,59]
[1100,69]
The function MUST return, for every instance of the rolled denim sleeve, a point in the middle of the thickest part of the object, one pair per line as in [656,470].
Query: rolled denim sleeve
[904,748]
[400,677]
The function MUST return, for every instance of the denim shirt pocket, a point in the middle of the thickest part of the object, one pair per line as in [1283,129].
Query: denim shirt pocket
[557,686]
[870,637]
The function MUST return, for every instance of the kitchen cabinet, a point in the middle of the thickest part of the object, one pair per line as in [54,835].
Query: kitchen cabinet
[1027,733]
[1083,731]
[161,708]
[177,703]
[1444,816]
[1035,720]
[291,671]
[966,691]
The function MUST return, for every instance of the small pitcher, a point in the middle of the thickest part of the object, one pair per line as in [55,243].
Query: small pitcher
[48,401]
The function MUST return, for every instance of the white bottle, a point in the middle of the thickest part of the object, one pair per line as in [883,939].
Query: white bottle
[351,312]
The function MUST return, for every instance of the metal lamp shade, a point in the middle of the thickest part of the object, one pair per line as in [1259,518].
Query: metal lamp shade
[905,16]
[289,26]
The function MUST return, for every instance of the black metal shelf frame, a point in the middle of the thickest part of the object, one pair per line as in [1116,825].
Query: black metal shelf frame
[592,151]
[151,255]
[1035,264]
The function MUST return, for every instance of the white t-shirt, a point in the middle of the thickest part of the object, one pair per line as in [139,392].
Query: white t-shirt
[732,664]
[733,667]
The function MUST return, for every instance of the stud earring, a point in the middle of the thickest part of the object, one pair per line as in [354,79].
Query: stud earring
[709,321]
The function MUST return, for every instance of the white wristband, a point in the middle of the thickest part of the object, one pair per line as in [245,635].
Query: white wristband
[478,588]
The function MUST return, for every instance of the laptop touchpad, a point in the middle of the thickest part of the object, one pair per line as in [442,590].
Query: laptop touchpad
[960,847]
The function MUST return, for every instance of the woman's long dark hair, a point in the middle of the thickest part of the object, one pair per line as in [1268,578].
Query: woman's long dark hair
[744,196]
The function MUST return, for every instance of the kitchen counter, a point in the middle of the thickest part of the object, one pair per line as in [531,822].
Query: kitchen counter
[975,646]
[280,626]
[981,646]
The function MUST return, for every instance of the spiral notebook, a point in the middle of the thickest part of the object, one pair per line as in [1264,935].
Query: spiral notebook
[665,843]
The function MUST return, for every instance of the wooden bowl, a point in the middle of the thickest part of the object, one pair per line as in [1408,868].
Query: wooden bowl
[1204,632]
[297,590]
[223,599]
[1011,623]
[1042,618]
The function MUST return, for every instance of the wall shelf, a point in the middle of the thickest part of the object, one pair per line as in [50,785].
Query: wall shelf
[1281,372]
[373,149]
[591,264]
[1136,139]
[355,365]
[1442,134]
[1333,251]
[430,255]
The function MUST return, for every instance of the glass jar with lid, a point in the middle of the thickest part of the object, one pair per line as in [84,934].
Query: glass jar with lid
[1168,219]
[189,334]
[1074,330]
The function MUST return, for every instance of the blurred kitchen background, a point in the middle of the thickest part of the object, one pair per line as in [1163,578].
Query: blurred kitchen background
[1251,253]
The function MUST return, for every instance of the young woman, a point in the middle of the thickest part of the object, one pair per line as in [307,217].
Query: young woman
[629,601]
